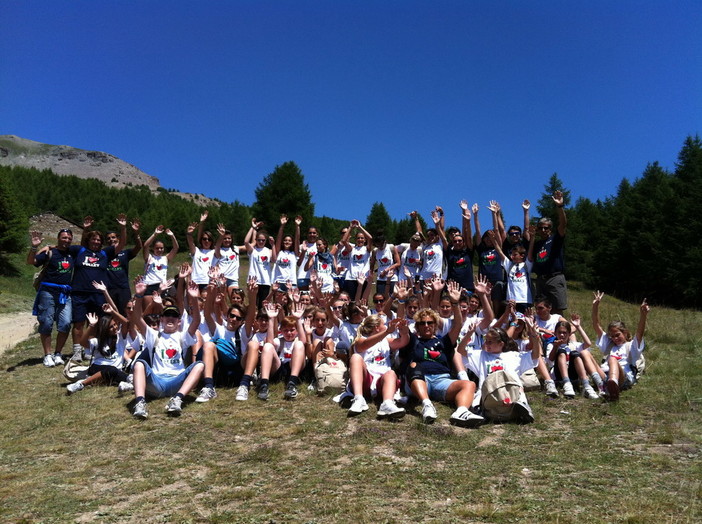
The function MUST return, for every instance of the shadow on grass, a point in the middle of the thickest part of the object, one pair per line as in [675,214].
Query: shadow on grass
[26,362]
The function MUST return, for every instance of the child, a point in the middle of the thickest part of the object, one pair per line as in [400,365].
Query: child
[621,352]
[283,356]
[499,353]
[567,355]
[160,369]
[518,269]
[371,366]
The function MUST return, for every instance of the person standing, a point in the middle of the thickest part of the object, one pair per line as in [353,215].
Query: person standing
[549,258]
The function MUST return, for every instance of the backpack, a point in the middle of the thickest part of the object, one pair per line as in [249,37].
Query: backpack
[500,392]
[330,373]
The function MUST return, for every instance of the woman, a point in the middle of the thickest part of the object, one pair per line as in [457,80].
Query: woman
[156,262]
[359,257]
[227,256]
[288,251]
[203,254]
[261,259]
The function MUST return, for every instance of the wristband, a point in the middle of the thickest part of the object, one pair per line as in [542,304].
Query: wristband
[402,301]
[137,295]
[453,303]
[32,248]
[462,375]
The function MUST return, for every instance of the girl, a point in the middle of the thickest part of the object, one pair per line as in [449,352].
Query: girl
[459,256]
[288,251]
[622,354]
[261,259]
[359,256]
[227,256]
[156,263]
[203,255]
[567,356]
[371,366]
[387,260]
[324,265]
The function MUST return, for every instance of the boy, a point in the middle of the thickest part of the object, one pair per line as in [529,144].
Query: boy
[518,268]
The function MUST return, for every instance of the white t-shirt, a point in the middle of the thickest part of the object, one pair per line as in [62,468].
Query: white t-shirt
[384,259]
[155,269]
[360,262]
[115,359]
[410,259]
[378,360]
[343,259]
[203,260]
[285,267]
[310,251]
[433,261]
[483,363]
[627,354]
[228,263]
[518,283]
[168,350]
[260,265]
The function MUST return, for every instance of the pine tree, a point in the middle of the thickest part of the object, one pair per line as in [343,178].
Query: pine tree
[13,225]
[378,221]
[545,205]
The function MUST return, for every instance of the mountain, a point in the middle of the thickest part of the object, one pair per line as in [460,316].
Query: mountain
[67,160]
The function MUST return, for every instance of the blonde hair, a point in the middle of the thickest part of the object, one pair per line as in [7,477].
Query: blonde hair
[427,312]
[369,325]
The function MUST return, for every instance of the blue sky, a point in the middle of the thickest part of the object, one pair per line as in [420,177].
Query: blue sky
[405,102]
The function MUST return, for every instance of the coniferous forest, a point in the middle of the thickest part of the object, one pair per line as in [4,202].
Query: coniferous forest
[624,245]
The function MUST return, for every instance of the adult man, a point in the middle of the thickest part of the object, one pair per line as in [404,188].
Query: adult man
[549,259]
[53,301]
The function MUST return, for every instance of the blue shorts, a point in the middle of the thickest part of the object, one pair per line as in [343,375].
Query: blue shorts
[232,283]
[84,303]
[303,283]
[49,310]
[437,386]
[159,386]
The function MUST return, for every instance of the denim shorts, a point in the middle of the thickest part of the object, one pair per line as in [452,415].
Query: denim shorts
[49,311]
[159,386]
[437,386]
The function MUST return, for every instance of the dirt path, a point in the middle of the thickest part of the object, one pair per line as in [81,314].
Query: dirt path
[14,328]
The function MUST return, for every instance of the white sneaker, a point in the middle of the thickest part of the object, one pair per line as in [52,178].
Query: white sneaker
[358,406]
[242,393]
[589,392]
[77,353]
[206,394]
[343,399]
[76,386]
[58,360]
[174,406]
[465,418]
[429,413]
[140,410]
[390,410]
[551,390]
[49,361]
[568,390]
[124,387]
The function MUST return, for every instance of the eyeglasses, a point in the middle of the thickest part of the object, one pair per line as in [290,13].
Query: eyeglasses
[235,317]
[209,239]
[514,233]
[544,228]
[260,240]
[426,323]
[66,231]
[379,300]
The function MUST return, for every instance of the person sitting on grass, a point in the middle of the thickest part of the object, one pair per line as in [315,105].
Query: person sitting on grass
[429,360]
[371,365]
[567,356]
[160,370]
[283,357]
[622,353]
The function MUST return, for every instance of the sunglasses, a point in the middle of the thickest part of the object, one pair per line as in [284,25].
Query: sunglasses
[514,233]
[426,322]
[66,231]
[544,228]
[235,317]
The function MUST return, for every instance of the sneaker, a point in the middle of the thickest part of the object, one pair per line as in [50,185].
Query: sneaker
[551,390]
[290,392]
[466,419]
[140,410]
[77,354]
[263,392]
[344,399]
[242,393]
[429,413]
[390,410]
[125,387]
[58,359]
[49,361]
[358,406]
[174,406]
[206,394]
[568,390]
[612,390]
[130,378]
[589,392]
[522,412]
[76,386]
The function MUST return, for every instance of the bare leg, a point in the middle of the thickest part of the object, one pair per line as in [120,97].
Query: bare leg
[389,385]
[298,358]
[139,379]
[461,392]
[192,379]
[46,343]
[419,389]
[357,371]
[61,341]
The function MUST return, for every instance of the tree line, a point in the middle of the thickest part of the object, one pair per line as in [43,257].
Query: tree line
[640,242]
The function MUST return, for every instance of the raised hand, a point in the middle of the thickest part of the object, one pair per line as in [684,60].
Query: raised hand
[193,290]
[558,198]
[295,294]
[439,210]
[435,217]
[156,297]
[532,230]
[526,204]
[221,229]
[107,308]
[100,286]
[597,297]
[122,219]
[204,215]
[480,285]
[401,291]
[252,286]
[87,222]
[192,227]
[170,233]
[475,208]
[437,283]
[494,206]
[454,291]
[159,229]
[298,310]
[35,238]
[136,225]
[163,286]
[413,214]
[283,219]
[575,319]
[298,220]
[185,270]
[645,308]
[271,309]
[92,318]
[139,285]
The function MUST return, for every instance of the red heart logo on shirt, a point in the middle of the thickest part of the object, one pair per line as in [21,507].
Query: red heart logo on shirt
[491,256]
[430,253]
[205,259]
[159,268]
[542,254]
[264,259]
[460,261]
[115,263]
[170,353]
[434,354]
[384,260]
[358,257]
[518,274]
[324,266]
[285,261]
[65,264]
[92,260]
[379,358]
[232,257]
[413,260]
[346,252]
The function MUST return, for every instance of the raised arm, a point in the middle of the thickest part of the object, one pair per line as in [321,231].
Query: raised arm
[35,239]
[645,308]
[174,246]
[562,220]
[189,236]
[496,243]
[454,292]
[296,247]
[527,234]
[138,311]
[87,225]
[596,324]
[497,223]
[150,240]
[417,224]
[193,295]
[482,289]
[438,221]
[136,228]
[209,308]
[201,224]
[122,238]
[221,231]
[465,225]
[281,230]
[575,320]
[478,234]
[531,232]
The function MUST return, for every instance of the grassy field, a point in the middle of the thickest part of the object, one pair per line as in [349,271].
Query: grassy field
[84,458]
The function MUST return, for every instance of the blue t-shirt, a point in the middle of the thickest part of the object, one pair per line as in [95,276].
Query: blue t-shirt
[460,267]
[118,270]
[490,263]
[89,266]
[60,266]
[549,255]
[433,356]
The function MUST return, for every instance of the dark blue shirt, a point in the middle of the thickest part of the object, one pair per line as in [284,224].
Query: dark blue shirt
[89,266]
[60,266]
[118,270]
[433,356]
[549,255]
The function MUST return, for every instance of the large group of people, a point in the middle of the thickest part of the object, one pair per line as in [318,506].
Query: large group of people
[373,321]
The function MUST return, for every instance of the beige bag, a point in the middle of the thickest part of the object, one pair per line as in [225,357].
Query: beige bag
[330,373]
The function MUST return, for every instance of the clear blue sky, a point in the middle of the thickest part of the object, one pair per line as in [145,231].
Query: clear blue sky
[405,102]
